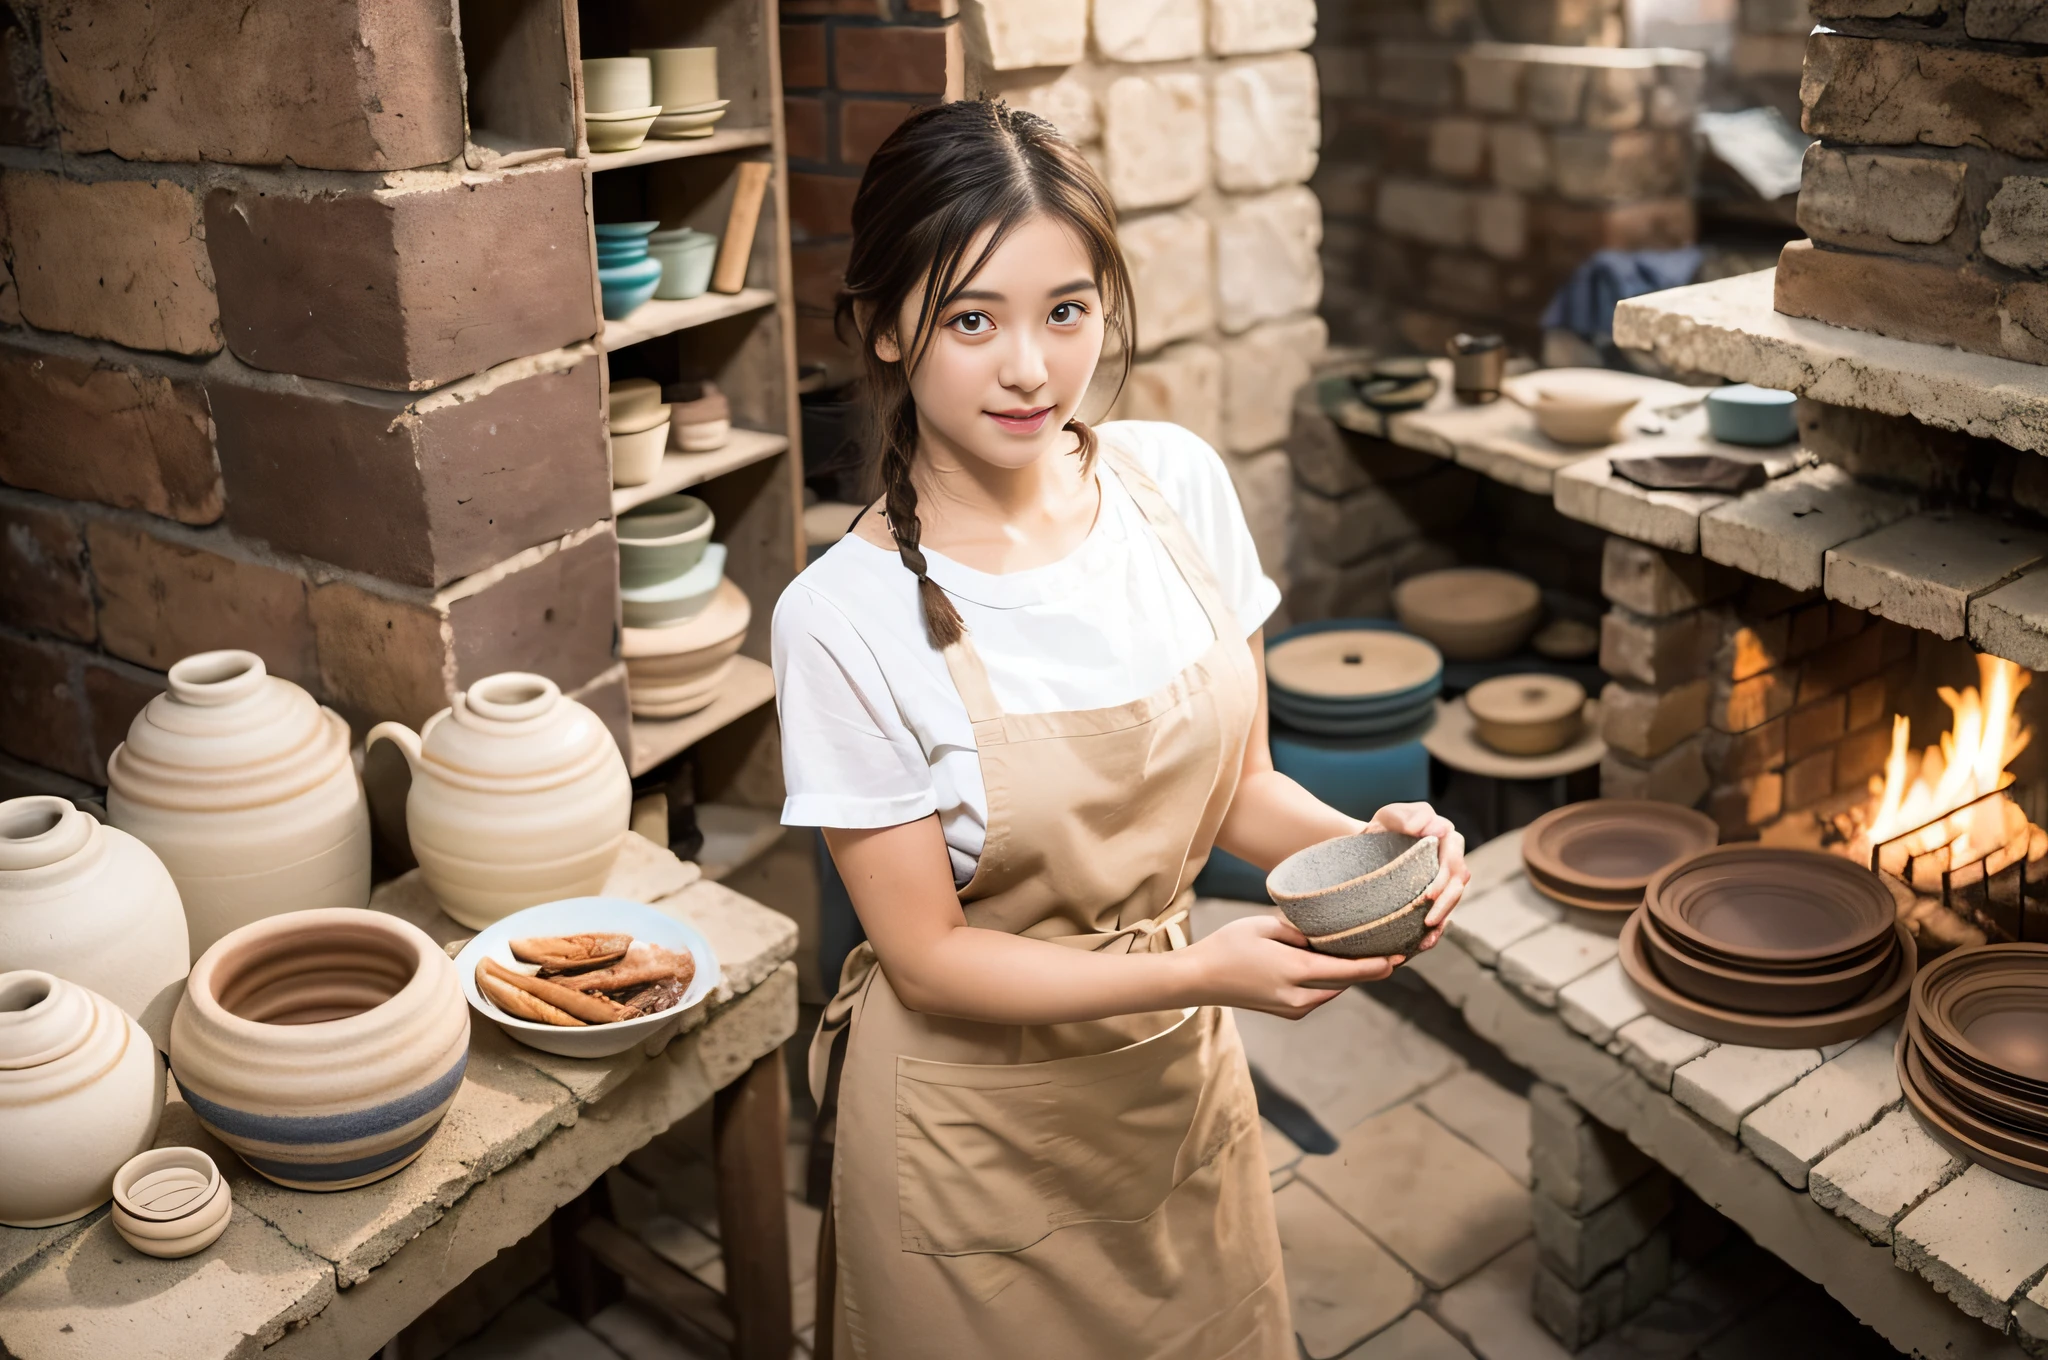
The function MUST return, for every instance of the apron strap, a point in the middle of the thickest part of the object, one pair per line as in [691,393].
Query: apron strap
[1180,546]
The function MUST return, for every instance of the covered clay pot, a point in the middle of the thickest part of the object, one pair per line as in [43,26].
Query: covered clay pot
[81,1090]
[519,796]
[322,1046]
[244,788]
[93,905]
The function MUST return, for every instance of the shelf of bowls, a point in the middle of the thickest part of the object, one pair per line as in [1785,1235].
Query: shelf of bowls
[639,261]
[220,916]
[668,93]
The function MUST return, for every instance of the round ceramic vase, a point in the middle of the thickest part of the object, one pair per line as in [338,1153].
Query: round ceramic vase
[324,1047]
[519,796]
[93,905]
[81,1090]
[243,787]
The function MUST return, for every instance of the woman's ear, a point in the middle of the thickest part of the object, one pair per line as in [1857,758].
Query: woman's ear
[886,348]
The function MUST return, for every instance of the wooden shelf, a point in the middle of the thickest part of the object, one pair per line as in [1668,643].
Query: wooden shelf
[656,149]
[652,320]
[751,684]
[679,470]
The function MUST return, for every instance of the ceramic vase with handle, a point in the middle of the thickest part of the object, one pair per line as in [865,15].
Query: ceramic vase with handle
[519,796]
[243,787]
[93,905]
[324,1047]
[81,1090]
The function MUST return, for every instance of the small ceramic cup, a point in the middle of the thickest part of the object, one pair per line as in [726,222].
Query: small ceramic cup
[683,77]
[170,1202]
[1352,881]
[615,84]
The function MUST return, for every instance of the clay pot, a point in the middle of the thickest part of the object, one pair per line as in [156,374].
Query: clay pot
[703,422]
[519,796]
[93,905]
[324,1047]
[1527,715]
[243,787]
[81,1090]
[1342,884]
[1772,904]
[1470,613]
[171,1202]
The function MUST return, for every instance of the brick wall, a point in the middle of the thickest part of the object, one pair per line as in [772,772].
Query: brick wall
[1926,199]
[278,371]
[1770,48]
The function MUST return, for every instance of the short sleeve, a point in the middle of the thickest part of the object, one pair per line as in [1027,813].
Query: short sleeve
[848,759]
[1197,485]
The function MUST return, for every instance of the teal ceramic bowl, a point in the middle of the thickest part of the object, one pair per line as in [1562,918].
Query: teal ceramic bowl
[624,287]
[663,539]
[620,252]
[677,599]
[1743,414]
[611,231]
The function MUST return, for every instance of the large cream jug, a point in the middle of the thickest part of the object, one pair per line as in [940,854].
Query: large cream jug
[519,796]
[243,787]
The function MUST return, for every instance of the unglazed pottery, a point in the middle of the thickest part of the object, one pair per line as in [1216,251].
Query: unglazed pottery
[171,1202]
[1527,715]
[683,77]
[631,399]
[93,905]
[1578,406]
[2010,1151]
[1774,904]
[519,796]
[1398,932]
[1347,882]
[686,257]
[612,84]
[1984,1007]
[1352,682]
[81,1090]
[675,599]
[621,131]
[663,539]
[704,421]
[1602,853]
[604,915]
[324,1047]
[243,787]
[1470,613]
[636,457]
[1766,992]
[673,672]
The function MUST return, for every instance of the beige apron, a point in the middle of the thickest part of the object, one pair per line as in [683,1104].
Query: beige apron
[1083,1190]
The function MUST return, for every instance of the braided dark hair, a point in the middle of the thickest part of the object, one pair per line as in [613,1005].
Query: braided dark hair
[944,175]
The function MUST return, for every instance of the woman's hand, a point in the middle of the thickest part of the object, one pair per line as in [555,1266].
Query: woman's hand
[1262,963]
[1420,819]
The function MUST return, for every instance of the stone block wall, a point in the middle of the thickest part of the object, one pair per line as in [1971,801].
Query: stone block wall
[1464,181]
[280,371]
[1926,199]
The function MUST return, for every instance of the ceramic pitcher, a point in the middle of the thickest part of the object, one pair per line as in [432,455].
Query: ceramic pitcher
[81,1090]
[519,796]
[244,788]
[93,905]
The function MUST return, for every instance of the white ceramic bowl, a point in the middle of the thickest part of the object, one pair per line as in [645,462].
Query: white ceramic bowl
[637,456]
[571,917]
[619,131]
[613,84]
[171,1202]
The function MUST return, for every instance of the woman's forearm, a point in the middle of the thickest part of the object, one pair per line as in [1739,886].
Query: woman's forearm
[1272,817]
[992,976]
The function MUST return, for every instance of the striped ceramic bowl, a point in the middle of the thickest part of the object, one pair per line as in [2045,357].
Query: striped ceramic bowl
[323,1046]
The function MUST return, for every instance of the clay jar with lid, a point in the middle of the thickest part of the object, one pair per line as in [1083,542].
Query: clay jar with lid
[94,906]
[324,1047]
[81,1090]
[243,787]
[519,796]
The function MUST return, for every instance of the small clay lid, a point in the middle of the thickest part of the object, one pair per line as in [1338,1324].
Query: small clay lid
[1353,663]
[1532,698]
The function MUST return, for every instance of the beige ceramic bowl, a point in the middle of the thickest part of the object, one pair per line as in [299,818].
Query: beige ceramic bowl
[1582,407]
[619,131]
[1470,613]
[637,456]
[1527,715]
[1339,885]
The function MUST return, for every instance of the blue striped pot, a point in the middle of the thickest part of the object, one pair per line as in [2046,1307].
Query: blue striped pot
[324,1047]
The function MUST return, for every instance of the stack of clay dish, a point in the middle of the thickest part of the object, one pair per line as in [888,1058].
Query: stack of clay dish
[1973,1059]
[626,274]
[702,416]
[1769,946]
[244,788]
[81,1090]
[324,1047]
[618,102]
[686,256]
[1602,854]
[669,569]
[519,796]
[171,1202]
[1353,682]
[638,431]
[1470,613]
[1358,896]
[1527,715]
[675,671]
[1579,407]
[686,87]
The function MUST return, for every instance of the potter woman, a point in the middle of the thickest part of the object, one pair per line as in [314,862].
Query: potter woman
[1024,698]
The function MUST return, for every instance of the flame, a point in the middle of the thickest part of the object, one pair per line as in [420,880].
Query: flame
[1983,738]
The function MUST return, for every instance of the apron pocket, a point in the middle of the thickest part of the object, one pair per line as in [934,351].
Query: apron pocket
[992,1158]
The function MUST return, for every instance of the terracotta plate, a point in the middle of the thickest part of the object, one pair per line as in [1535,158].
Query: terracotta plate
[2008,1152]
[1572,896]
[1852,1021]
[1347,663]
[1989,1006]
[2000,1106]
[1771,903]
[1736,989]
[1612,845]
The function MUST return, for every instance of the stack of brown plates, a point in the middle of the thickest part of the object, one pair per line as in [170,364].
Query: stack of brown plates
[1769,946]
[1974,1056]
[1600,855]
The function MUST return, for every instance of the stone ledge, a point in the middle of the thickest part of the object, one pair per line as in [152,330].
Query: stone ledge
[1925,570]
[1782,532]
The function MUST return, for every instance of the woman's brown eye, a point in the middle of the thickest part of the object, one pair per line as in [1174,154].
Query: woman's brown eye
[971,323]
[1065,314]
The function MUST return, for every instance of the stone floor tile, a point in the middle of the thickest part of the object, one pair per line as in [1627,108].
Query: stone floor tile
[531,1330]
[1978,1239]
[1726,1084]
[1342,1284]
[1825,1108]
[1600,1003]
[1547,961]
[1877,1177]
[1281,1154]
[1485,924]
[1490,1310]
[1349,1059]
[1415,1337]
[1494,863]
[1436,1202]
[1657,1050]
[1486,1115]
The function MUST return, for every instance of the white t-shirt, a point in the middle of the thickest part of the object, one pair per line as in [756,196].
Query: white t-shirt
[874,733]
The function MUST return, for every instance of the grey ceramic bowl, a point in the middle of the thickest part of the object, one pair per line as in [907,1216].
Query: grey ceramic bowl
[1398,933]
[1347,882]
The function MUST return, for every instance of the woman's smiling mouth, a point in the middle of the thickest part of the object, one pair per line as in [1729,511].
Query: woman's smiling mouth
[1028,421]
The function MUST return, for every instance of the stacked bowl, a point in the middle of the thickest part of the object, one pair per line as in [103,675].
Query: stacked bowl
[618,102]
[626,274]
[1353,682]
[639,426]
[1973,1059]
[686,257]
[1769,946]
[684,620]
[1600,855]
[685,85]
